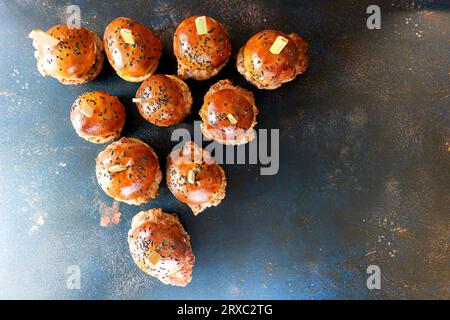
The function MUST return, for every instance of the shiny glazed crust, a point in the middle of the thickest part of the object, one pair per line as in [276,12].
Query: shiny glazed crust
[209,186]
[224,98]
[155,231]
[200,56]
[135,62]
[165,100]
[139,182]
[269,71]
[107,120]
[77,59]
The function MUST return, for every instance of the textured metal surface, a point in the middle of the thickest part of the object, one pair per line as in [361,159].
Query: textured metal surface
[364,175]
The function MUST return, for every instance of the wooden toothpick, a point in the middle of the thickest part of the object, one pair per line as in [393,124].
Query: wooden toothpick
[153,258]
[43,39]
[191,176]
[278,45]
[127,36]
[117,168]
[200,24]
[86,110]
[231,118]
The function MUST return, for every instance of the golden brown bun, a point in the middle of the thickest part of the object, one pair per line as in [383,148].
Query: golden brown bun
[165,100]
[208,185]
[200,56]
[160,247]
[106,121]
[135,62]
[76,59]
[223,100]
[139,181]
[266,70]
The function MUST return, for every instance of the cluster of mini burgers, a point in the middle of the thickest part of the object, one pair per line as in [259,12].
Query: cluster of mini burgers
[128,170]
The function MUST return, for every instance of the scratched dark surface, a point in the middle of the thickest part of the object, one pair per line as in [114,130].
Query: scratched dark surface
[364,161]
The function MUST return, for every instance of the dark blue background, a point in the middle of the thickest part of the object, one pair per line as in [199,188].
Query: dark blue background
[364,149]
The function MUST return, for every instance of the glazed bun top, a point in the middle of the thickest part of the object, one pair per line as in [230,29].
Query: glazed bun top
[267,67]
[126,169]
[97,113]
[160,247]
[73,56]
[201,186]
[201,52]
[162,101]
[228,111]
[131,60]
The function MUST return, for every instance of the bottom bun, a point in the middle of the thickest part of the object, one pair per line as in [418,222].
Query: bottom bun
[186,72]
[160,247]
[141,78]
[242,70]
[93,72]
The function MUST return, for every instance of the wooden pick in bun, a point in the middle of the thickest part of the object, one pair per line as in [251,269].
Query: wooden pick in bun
[194,178]
[228,114]
[132,49]
[267,70]
[128,171]
[164,100]
[74,56]
[160,247]
[200,56]
[97,116]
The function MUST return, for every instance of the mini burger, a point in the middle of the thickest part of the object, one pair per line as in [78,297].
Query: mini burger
[194,178]
[202,48]
[164,100]
[271,58]
[97,116]
[228,114]
[160,247]
[128,171]
[132,49]
[72,56]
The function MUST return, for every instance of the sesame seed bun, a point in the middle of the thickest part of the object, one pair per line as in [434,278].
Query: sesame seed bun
[128,171]
[160,247]
[194,178]
[228,114]
[266,70]
[76,59]
[200,56]
[165,100]
[132,62]
[97,116]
